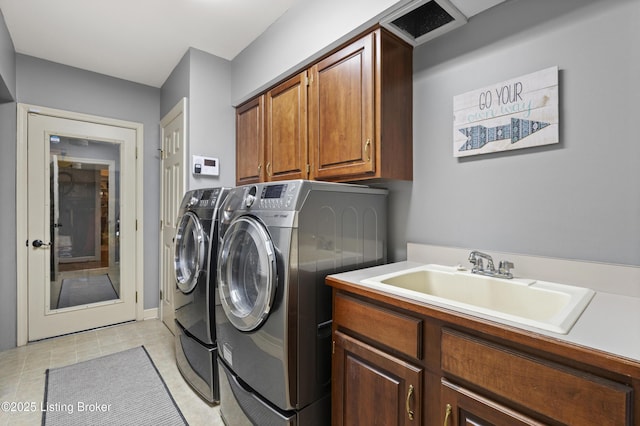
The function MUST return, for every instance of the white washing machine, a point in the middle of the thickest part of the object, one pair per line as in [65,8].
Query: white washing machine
[195,245]
[278,243]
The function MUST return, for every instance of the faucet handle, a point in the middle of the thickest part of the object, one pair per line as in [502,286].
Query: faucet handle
[505,267]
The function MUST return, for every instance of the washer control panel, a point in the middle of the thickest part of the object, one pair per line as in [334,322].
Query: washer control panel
[203,198]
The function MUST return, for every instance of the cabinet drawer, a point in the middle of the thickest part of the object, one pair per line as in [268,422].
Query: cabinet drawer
[561,393]
[394,330]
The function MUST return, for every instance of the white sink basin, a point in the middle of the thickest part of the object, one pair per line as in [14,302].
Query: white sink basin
[545,305]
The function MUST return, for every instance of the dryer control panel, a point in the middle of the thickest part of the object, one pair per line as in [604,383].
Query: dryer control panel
[278,196]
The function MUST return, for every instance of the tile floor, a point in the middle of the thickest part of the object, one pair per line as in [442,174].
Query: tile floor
[22,370]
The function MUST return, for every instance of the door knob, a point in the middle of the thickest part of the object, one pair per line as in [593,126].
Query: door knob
[39,243]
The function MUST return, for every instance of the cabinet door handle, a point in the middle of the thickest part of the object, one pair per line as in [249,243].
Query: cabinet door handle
[447,414]
[409,410]
[259,168]
[269,169]
[367,149]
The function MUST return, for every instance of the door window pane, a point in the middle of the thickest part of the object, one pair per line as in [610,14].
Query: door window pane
[84,226]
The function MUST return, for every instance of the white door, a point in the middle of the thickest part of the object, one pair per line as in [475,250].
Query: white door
[81,221]
[172,189]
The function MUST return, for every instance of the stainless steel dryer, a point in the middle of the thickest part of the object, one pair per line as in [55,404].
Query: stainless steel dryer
[278,243]
[195,245]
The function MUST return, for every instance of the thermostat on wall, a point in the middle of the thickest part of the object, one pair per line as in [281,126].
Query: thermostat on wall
[207,166]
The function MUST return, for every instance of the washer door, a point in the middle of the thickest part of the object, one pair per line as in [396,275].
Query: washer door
[247,273]
[190,252]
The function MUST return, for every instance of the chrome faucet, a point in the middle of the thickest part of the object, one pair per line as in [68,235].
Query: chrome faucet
[478,267]
[504,267]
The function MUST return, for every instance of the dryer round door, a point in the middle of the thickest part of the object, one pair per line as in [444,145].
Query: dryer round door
[190,252]
[247,273]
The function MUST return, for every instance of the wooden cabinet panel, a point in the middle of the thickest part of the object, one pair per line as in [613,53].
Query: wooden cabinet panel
[342,111]
[249,141]
[462,407]
[372,387]
[557,392]
[286,130]
[394,330]
[394,116]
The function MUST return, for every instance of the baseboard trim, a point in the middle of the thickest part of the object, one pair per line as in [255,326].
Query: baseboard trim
[150,314]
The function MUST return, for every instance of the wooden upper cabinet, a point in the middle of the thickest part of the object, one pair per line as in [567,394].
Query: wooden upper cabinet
[347,117]
[360,111]
[342,111]
[249,141]
[286,144]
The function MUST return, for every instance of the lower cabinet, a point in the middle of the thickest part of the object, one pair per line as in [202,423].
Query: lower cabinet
[462,407]
[396,366]
[376,388]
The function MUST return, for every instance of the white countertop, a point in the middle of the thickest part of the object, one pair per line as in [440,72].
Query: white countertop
[610,323]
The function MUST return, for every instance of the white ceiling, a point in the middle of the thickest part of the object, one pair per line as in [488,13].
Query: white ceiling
[136,40]
[143,40]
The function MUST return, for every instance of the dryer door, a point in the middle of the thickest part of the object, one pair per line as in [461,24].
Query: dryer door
[247,273]
[190,252]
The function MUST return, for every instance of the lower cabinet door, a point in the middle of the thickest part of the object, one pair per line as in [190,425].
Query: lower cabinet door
[372,387]
[461,407]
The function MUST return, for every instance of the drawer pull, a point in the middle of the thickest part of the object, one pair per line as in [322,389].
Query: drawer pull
[447,414]
[409,410]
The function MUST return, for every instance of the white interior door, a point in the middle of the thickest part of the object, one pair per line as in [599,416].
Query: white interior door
[172,189]
[81,199]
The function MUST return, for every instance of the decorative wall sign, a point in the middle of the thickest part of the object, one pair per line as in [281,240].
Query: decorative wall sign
[517,113]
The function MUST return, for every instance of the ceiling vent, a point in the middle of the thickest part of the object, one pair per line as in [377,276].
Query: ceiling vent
[423,20]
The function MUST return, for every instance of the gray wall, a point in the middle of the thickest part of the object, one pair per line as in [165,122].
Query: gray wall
[7,63]
[579,199]
[211,118]
[205,81]
[176,86]
[8,232]
[7,190]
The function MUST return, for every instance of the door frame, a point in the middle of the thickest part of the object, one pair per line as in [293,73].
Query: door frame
[22,299]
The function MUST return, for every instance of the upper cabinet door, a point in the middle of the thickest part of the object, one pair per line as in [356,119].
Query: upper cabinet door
[342,111]
[286,130]
[249,141]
